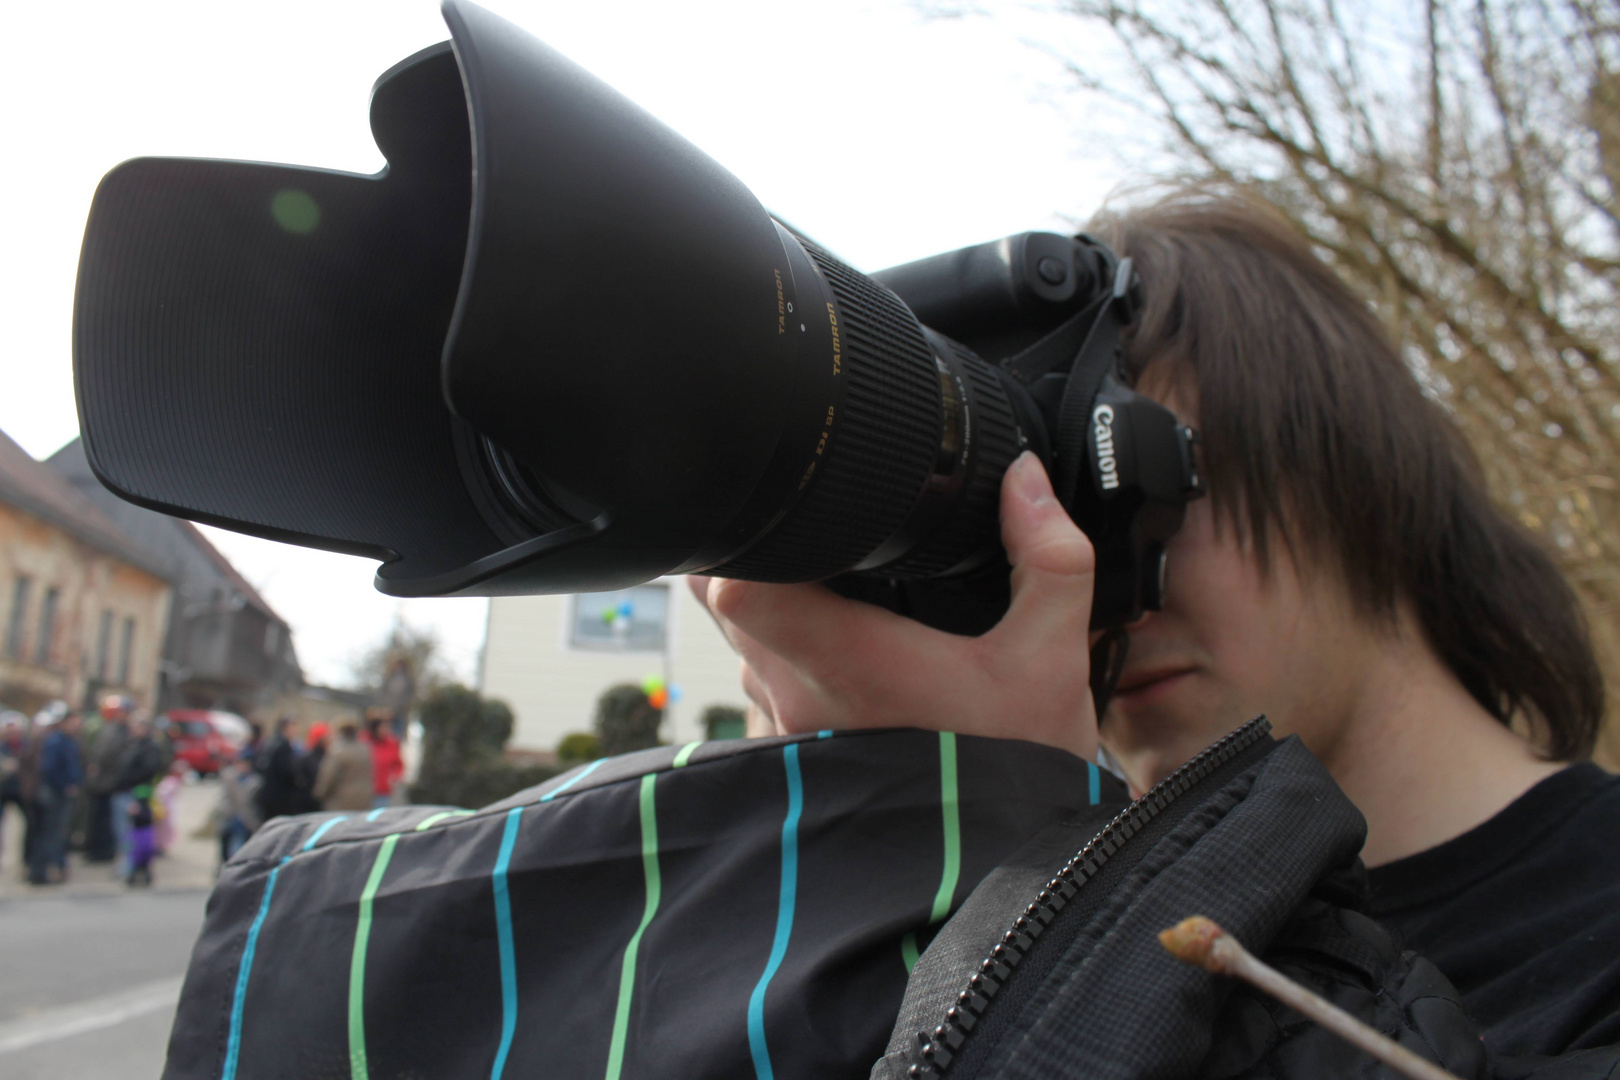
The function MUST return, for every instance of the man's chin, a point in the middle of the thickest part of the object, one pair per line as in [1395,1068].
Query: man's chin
[1152,731]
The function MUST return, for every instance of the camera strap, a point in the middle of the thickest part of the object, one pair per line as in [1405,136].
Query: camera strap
[1058,349]
[1071,441]
[1089,343]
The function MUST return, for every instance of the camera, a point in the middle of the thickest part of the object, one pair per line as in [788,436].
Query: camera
[553,347]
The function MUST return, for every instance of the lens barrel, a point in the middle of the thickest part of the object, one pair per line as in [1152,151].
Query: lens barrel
[906,475]
[552,347]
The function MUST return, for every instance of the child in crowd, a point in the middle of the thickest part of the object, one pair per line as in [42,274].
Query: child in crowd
[236,817]
[142,835]
[167,802]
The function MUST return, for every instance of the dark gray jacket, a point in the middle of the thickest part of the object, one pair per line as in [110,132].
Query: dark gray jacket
[1052,967]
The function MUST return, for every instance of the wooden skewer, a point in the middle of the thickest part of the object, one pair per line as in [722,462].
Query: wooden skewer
[1201,942]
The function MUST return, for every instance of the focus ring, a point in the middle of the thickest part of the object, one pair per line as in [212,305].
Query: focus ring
[973,527]
[882,447]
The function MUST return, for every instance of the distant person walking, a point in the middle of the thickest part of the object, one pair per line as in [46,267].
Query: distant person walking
[166,804]
[387,767]
[144,760]
[277,765]
[104,753]
[250,749]
[347,777]
[141,830]
[61,771]
[309,766]
[238,816]
[19,774]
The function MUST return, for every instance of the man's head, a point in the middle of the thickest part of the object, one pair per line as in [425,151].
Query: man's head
[1345,508]
[140,723]
[115,708]
[348,731]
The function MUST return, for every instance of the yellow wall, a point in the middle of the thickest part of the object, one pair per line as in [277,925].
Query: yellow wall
[90,582]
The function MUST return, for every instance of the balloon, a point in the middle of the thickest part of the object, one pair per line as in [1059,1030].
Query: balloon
[651,685]
[658,698]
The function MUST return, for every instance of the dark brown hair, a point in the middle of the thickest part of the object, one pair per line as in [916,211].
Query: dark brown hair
[1313,427]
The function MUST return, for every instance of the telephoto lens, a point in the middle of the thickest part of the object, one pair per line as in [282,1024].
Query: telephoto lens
[553,347]
[904,475]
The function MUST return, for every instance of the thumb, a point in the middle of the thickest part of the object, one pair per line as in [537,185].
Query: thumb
[1053,565]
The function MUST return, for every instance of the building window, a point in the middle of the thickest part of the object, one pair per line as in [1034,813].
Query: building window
[103,645]
[272,638]
[19,612]
[631,620]
[47,627]
[126,650]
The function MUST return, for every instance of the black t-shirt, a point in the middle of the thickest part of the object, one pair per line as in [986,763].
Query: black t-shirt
[1523,915]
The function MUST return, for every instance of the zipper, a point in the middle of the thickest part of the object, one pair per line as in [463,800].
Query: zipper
[934,1052]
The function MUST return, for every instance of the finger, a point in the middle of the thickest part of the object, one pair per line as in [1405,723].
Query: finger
[815,628]
[773,683]
[759,698]
[699,584]
[828,662]
[705,592]
[758,725]
[1054,567]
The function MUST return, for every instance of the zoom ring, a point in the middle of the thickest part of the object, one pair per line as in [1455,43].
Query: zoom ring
[973,527]
[882,447]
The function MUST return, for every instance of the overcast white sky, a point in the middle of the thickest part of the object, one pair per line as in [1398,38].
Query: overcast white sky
[945,132]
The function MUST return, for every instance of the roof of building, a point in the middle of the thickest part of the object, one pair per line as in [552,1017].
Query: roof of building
[176,541]
[37,489]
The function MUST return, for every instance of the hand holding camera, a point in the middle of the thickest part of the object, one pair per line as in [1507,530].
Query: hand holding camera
[814,660]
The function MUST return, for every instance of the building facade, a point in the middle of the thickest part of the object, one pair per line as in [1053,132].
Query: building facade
[310,705]
[550,658]
[225,647]
[83,609]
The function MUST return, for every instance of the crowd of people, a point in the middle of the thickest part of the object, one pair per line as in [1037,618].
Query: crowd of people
[110,784]
[355,772]
[108,787]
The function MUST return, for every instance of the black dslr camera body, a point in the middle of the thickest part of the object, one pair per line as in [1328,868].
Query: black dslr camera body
[552,347]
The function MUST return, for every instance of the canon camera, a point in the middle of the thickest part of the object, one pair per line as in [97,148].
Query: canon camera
[553,347]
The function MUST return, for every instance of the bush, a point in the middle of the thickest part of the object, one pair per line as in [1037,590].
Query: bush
[577,748]
[724,722]
[463,740]
[626,720]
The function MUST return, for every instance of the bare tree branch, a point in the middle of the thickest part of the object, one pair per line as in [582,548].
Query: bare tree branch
[1462,170]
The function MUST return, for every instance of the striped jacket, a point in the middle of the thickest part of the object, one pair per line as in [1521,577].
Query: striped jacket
[747,908]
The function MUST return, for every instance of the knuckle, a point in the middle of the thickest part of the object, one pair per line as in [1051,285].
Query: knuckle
[1061,553]
[729,598]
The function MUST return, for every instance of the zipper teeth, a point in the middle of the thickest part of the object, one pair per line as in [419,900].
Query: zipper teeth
[934,1052]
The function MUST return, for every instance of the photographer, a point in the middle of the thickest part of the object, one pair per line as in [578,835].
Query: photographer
[1348,578]
[965,893]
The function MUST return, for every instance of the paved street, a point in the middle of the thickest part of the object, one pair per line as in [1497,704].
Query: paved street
[91,983]
[92,969]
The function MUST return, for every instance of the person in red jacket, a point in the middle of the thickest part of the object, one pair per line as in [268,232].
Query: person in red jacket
[387,766]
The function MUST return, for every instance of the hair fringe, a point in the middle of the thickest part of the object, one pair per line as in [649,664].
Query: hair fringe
[1317,433]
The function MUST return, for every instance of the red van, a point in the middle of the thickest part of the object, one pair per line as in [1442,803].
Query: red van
[205,738]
